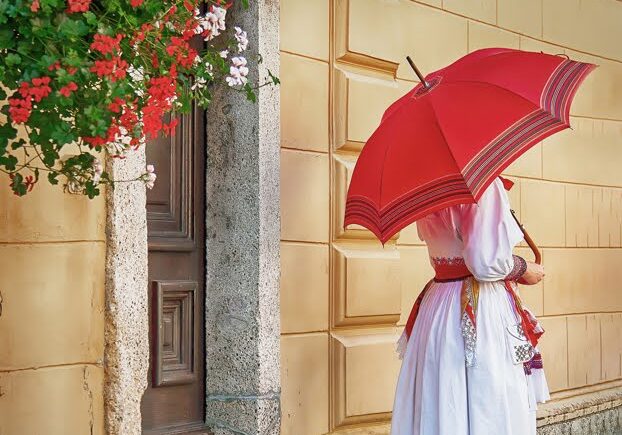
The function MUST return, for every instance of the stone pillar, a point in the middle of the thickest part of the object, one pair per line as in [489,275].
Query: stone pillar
[126,354]
[242,236]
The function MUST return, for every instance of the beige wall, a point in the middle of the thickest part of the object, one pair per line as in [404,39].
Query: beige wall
[52,253]
[344,297]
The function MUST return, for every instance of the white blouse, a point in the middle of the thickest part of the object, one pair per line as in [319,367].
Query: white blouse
[483,234]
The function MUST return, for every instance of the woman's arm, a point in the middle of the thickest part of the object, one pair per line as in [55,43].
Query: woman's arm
[489,233]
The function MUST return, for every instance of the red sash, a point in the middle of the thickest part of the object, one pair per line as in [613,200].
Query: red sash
[456,270]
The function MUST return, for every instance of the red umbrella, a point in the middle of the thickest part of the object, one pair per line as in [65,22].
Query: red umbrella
[447,139]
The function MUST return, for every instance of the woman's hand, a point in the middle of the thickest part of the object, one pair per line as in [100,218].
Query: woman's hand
[533,274]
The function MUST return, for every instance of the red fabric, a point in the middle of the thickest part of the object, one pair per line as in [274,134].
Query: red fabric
[443,146]
[507,184]
[529,327]
[410,323]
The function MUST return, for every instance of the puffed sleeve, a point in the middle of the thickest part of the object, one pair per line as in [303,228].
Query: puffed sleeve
[489,233]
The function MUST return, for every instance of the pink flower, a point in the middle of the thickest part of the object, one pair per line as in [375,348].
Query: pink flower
[237,72]
[34,6]
[150,177]
[98,170]
[136,3]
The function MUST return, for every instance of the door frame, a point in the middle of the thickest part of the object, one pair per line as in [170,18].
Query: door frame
[242,144]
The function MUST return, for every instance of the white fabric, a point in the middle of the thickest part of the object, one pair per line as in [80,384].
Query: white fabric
[436,394]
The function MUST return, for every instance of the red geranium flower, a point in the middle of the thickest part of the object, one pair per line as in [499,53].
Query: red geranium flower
[19,110]
[74,6]
[114,69]
[106,44]
[38,90]
[67,90]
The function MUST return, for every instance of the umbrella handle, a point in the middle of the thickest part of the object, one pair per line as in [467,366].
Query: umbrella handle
[529,240]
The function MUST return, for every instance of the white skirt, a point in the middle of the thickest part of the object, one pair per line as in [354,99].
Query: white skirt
[438,395]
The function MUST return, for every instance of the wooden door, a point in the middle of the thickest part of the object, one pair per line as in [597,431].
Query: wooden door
[174,402]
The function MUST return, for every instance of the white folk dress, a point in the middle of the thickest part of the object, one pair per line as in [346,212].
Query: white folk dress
[437,394]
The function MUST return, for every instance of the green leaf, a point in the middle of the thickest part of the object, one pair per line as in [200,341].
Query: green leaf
[9,162]
[73,28]
[49,154]
[6,37]
[63,134]
[18,144]
[7,132]
[13,59]
[17,185]
[51,3]
[275,79]
[250,94]
[91,190]
[52,177]
[90,17]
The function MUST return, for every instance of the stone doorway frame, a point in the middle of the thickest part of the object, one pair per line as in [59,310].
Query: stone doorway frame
[243,265]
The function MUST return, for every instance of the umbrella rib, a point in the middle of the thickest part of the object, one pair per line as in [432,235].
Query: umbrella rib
[440,129]
[494,85]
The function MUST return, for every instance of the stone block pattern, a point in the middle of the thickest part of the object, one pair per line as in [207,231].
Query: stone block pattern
[52,251]
[344,298]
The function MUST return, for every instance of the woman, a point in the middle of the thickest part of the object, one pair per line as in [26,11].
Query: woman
[470,365]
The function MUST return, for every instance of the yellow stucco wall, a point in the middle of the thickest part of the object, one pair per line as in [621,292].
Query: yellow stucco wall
[343,297]
[52,258]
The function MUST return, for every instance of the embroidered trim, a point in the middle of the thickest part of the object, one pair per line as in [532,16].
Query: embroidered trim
[448,261]
[519,269]
[449,269]
[534,364]
[469,298]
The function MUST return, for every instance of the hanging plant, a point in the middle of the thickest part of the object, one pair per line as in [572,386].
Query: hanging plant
[83,80]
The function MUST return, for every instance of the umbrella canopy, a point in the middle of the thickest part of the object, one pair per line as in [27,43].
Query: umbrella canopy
[447,139]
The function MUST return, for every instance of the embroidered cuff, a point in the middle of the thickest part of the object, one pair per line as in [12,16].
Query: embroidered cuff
[520,266]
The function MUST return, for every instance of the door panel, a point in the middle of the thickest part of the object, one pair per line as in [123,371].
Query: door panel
[175,399]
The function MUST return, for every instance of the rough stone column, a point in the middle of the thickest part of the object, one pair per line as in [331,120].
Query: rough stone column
[126,351]
[243,236]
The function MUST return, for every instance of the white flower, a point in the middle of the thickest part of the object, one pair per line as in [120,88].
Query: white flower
[120,145]
[237,72]
[199,83]
[224,54]
[149,177]
[136,74]
[98,169]
[242,38]
[213,22]
[74,187]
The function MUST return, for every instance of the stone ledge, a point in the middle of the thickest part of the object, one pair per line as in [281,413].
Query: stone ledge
[579,403]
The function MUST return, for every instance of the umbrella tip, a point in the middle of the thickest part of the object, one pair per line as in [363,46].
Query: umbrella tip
[414,67]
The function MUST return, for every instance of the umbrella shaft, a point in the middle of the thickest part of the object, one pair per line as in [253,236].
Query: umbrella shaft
[414,67]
